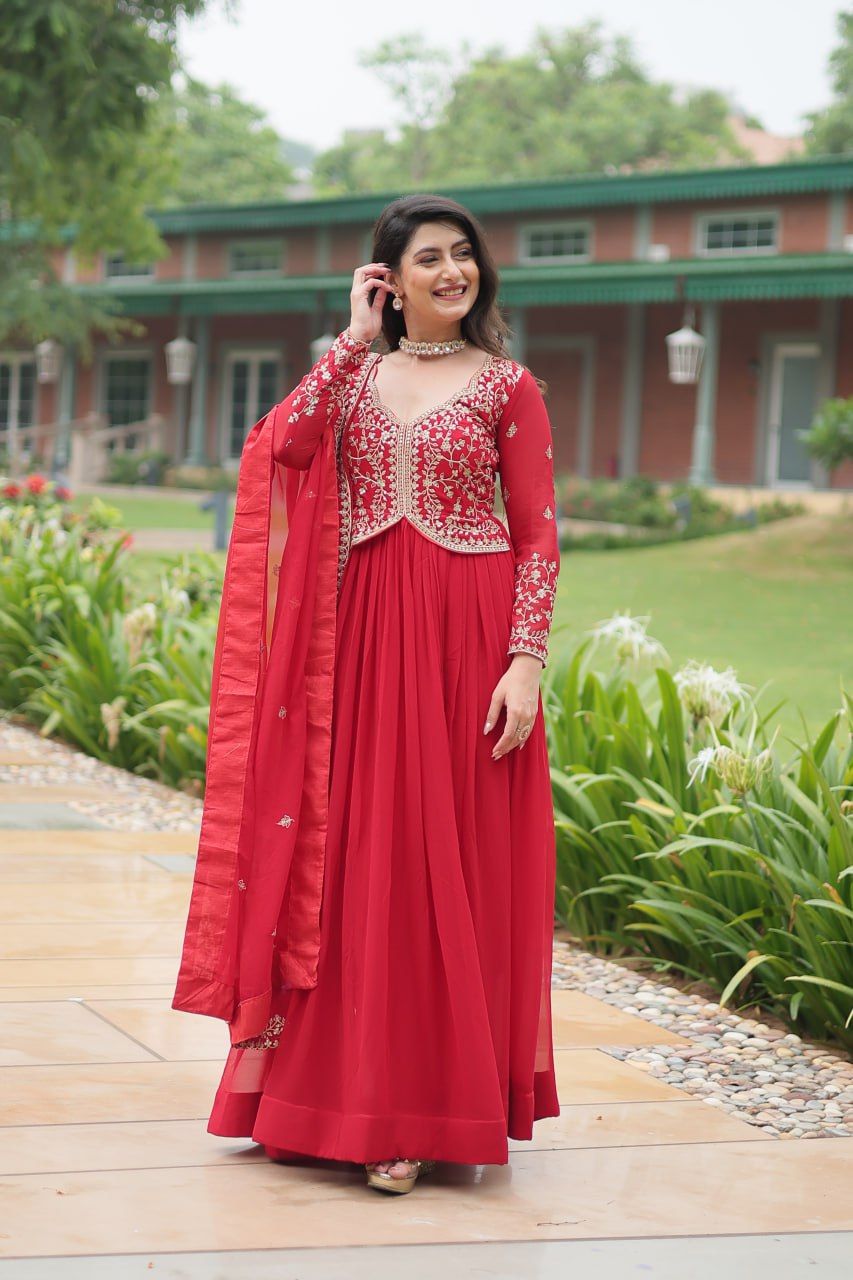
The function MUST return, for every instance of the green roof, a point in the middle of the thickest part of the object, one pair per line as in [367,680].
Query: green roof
[823,275]
[795,177]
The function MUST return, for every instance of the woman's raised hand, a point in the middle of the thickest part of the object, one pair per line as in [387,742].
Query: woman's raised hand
[366,318]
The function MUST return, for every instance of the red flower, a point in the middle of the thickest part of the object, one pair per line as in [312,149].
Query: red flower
[36,484]
[12,491]
[127,541]
[62,494]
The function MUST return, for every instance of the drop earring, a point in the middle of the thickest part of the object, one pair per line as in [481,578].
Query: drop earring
[397,304]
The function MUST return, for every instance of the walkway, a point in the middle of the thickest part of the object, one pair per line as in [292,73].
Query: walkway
[107,1172]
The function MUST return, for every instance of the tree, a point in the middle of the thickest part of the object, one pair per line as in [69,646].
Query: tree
[830,132]
[575,102]
[81,145]
[225,150]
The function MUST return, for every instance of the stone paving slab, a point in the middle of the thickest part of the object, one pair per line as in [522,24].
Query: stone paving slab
[623,1192]
[785,1257]
[24,815]
[106,1091]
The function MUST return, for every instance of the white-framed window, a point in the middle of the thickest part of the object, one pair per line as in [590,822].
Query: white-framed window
[259,257]
[745,231]
[556,242]
[17,393]
[117,267]
[251,386]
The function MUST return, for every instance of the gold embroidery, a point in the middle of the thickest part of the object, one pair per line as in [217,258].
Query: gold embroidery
[549,452]
[437,471]
[511,430]
[535,592]
[285,821]
[282,713]
[268,1039]
[548,513]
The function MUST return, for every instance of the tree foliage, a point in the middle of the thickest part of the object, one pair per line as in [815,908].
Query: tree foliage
[225,150]
[81,143]
[830,131]
[574,102]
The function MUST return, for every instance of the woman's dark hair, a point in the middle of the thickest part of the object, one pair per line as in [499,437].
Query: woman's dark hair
[484,326]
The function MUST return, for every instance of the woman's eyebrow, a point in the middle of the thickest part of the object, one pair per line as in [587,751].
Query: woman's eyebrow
[433,249]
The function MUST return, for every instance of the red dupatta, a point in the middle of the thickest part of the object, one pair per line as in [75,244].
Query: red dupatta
[253,922]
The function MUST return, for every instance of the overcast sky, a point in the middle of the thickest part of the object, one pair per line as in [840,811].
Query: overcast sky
[300,61]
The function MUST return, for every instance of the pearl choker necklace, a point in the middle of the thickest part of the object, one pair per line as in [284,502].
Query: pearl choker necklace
[432,348]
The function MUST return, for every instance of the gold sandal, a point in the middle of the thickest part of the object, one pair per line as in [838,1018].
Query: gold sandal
[399,1186]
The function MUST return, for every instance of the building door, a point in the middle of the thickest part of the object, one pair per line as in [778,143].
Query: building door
[793,399]
[17,397]
[251,390]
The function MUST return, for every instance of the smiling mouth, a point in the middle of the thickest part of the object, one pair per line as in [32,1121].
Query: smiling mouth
[456,292]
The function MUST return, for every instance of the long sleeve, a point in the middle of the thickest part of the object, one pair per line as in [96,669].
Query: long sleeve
[320,399]
[527,483]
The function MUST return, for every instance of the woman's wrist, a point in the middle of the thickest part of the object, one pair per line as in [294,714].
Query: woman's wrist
[356,336]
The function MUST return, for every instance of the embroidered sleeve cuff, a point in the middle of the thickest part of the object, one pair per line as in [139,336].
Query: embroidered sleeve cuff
[535,592]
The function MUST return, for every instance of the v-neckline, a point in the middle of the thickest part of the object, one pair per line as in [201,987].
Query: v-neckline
[427,413]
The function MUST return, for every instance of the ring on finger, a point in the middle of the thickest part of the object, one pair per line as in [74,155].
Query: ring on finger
[524,733]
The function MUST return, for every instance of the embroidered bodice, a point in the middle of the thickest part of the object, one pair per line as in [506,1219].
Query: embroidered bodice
[438,471]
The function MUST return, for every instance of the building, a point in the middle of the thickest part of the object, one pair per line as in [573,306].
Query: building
[595,273]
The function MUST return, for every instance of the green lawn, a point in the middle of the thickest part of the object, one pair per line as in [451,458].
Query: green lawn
[777,605]
[156,510]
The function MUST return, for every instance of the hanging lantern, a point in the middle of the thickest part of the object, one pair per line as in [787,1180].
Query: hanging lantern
[180,360]
[320,346]
[48,360]
[684,351]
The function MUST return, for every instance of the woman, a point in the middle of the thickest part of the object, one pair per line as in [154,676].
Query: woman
[373,904]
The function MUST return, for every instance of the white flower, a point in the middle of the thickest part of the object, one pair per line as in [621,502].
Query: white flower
[707,694]
[740,771]
[137,627]
[629,638]
[177,601]
[111,716]
[705,759]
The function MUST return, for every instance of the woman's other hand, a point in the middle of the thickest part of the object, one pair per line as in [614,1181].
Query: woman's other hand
[366,316]
[518,692]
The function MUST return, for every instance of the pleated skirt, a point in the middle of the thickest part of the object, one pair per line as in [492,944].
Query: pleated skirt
[428,1034]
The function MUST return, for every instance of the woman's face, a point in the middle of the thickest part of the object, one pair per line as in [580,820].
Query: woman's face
[438,279]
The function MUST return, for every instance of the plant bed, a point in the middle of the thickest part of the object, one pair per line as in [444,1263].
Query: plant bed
[640,512]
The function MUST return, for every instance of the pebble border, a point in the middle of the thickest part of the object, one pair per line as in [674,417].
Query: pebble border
[758,1071]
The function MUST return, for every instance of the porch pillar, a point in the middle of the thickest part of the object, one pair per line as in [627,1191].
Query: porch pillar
[65,411]
[197,451]
[702,465]
[632,390]
[518,336]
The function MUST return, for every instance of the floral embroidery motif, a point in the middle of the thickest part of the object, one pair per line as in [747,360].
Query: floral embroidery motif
[549,452]
[437,471]
[511,430]
[242,886]
[285,821]
[282,713]
[268,1039]
[535,591]
[548,513]
[324,384]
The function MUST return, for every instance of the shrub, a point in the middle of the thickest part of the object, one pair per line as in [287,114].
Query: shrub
[130,685]
[687,837]
[830,437]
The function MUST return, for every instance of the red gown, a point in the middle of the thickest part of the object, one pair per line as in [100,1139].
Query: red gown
[428,1032]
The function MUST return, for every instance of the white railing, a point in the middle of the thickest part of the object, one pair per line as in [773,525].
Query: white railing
[91,442]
